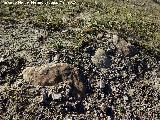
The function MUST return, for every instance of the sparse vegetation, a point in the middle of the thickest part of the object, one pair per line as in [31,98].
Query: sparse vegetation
[139,20]
[115,44]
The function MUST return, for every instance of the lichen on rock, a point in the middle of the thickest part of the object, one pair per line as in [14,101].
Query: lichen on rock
[51,74]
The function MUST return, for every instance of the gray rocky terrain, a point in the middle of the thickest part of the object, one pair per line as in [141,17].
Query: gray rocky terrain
[76,72]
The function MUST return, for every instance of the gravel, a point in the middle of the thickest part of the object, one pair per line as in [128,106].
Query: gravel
[121,79]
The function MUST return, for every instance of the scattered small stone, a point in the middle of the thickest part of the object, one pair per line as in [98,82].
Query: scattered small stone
[56,96]
[112,69]
[2,59]
[56,58]
[131,92]
[100,35]
[125,98]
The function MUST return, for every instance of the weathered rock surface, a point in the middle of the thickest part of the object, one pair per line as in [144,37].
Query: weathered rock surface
[52,74]
[100,59]
[123,47]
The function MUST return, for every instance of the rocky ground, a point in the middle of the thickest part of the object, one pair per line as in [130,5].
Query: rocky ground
[75,72]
